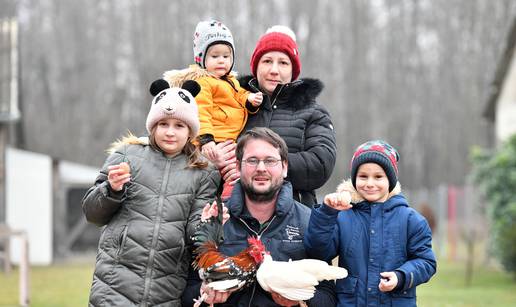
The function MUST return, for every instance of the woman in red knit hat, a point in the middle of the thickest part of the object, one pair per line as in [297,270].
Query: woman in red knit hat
[289,108]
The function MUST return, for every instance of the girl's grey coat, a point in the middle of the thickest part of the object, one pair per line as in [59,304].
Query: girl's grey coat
[143,254]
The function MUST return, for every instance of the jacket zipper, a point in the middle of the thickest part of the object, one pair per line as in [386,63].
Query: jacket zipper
[276,97]
[157,224]
[258,235]
[121,242]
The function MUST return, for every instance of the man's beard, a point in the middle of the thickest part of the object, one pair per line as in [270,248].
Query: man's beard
[261,197]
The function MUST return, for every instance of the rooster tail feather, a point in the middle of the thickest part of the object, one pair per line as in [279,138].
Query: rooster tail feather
[220,219]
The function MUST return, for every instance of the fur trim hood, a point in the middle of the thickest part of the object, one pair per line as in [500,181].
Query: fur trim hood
[130,139]
[346,185]
[177,77]
[300,92]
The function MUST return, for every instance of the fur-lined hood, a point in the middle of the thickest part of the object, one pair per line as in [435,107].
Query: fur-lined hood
[177,77]
[346,185]
[306,90]
[130,139]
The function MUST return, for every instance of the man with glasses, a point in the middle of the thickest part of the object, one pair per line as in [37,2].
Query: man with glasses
[262,206]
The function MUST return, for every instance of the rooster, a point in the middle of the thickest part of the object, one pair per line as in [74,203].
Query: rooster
[221,272]
[296,280]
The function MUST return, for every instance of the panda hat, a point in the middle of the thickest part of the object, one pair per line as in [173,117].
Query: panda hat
[178,103]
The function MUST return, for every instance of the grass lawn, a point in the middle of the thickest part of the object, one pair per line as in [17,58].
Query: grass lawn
[489,287]
[59,285]
[68,285]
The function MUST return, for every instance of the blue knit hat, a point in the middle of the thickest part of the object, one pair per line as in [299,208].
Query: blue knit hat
[379,152]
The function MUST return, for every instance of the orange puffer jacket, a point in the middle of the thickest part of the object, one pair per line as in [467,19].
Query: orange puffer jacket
[222,109]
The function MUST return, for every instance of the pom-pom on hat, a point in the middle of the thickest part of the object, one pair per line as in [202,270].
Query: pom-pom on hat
[277,38]
[178,103]
[207,33]
[381,153]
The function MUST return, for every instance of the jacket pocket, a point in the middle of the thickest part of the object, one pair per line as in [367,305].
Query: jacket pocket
[409,293]
[293,249]
[122,238]
[219,115]
[346,291]
[404,297]
[180,260]
[347,285]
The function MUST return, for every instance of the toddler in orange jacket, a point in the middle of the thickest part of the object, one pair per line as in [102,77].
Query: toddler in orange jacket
[223,104]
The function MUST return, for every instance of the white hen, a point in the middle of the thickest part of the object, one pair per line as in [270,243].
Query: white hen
[296,280]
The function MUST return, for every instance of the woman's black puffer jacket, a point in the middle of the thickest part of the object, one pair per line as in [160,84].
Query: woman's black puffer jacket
[306,126]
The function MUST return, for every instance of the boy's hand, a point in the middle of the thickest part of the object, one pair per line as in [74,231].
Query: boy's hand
[255,99]
[388,281]
[209,150]
[339,200]
[118,175]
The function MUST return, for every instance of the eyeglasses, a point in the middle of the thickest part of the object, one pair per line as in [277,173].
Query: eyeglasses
[268,162]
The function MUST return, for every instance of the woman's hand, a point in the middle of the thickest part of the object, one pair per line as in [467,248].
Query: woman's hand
[226,162]
[339,200]
[210,151]
[226,155]
[118,175]
[209,211]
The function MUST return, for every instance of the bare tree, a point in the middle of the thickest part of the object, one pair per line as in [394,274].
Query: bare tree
[412,72]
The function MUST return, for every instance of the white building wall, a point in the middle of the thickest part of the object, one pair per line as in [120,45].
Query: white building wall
[29,203]
[506,106]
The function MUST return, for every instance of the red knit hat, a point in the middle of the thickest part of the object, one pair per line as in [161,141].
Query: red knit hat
[277,38]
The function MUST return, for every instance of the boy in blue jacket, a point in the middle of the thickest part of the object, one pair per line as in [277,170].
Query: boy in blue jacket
[385,245]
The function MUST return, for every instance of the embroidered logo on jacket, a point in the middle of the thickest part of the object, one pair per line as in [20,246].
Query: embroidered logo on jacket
[293,232]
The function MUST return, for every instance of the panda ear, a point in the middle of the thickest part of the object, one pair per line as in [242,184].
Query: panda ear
[157,86]
[192,86]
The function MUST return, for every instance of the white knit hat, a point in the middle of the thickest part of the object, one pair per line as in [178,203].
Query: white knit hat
[208,33]
[178,103]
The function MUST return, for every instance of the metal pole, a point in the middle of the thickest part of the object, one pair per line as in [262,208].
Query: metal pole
[24,270]
[3,145]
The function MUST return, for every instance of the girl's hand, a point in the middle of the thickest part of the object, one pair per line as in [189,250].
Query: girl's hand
[209,211]
[255,99]
[118,175]
[210,151]
[388,281]
[339,200]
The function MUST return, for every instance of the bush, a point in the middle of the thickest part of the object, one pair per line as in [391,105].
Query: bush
[495,173]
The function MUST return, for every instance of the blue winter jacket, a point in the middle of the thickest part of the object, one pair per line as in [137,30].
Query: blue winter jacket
[283,237]
[371,238]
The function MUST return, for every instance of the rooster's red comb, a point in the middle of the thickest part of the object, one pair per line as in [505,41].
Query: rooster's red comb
[254,241]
